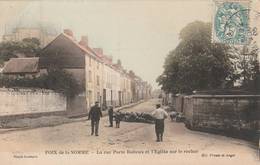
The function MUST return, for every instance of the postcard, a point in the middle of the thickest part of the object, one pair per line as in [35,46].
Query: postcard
[129,82]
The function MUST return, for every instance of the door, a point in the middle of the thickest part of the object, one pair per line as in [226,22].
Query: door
[111,98]
[119,98]
[104,98]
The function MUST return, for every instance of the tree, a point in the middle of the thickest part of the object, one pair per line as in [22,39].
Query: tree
[247,65]
[56,79]
[63,82]
[197,63]
[28,47]
[33,40]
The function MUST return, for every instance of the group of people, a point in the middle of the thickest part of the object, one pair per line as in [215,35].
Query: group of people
[117,116]
[95,114]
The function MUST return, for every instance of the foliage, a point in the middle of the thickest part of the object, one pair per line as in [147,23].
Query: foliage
[29,47]
[196,63]
[62,81]
[56,79]
[33,40]
[247,66]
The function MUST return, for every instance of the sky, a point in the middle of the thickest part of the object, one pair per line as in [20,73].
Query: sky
[140,33]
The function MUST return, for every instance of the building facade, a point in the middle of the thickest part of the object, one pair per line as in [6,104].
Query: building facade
[109,84]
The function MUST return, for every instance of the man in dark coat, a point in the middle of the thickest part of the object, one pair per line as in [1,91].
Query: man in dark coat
[110,115]
[94,115]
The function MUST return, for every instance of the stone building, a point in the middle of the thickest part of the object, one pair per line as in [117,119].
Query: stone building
[20,33]
[66,53]
[105,82]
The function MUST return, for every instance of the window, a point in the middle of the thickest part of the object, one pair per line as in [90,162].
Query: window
[98,97]
[89,61]
[98,80]
[89,76]
[90,98]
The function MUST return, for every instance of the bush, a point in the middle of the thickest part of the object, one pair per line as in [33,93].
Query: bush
[56,79]
[62,81]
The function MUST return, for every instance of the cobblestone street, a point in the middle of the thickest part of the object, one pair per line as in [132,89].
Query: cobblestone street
[133,137]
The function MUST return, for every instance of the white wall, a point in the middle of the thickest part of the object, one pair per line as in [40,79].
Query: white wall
[26,101]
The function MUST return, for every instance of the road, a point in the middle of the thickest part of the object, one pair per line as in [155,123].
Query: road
[186,146]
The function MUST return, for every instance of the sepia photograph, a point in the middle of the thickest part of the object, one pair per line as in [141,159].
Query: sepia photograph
[129,82]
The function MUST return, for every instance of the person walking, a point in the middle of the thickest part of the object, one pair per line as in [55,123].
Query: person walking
[110,115]
[94,115]
[159,114]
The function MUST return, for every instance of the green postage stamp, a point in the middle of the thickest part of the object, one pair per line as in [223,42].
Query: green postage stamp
[231,22]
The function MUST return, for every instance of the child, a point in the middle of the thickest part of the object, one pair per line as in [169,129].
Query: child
[117,118]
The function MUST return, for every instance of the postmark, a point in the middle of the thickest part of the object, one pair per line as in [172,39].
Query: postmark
[231,23]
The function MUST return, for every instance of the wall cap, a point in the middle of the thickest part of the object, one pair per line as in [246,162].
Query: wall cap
[224,96]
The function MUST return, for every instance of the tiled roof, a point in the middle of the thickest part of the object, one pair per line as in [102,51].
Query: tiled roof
[22,65]
[86,49]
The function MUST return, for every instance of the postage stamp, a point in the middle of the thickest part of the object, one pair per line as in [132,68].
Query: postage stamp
[231,22]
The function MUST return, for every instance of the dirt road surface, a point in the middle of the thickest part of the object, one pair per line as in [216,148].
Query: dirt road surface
[132,143]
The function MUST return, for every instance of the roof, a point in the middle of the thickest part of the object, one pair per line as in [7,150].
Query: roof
[86,50]
[22,65]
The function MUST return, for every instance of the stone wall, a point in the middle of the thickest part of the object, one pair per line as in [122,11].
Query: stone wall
[30,101]
[188,107]
[177,102]
[223,113]
[77,106]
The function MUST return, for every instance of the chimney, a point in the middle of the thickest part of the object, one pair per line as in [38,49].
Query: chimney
[99,51]
[84,41]
[68,32]
[110,59]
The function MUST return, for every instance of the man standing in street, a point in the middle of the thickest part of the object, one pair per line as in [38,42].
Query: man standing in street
[159,114]
[94,115]
[110,115]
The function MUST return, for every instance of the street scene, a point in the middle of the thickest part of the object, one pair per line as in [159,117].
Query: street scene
[131,136]
[139,81]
